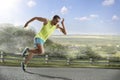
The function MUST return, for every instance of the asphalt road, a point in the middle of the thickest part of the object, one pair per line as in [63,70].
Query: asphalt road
[15,73]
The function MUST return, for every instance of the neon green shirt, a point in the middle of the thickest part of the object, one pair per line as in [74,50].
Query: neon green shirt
[46,31]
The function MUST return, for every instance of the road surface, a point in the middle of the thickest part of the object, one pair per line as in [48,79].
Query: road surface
[15,73]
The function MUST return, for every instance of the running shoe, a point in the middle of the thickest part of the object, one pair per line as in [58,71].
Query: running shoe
[25,51]
[23,66]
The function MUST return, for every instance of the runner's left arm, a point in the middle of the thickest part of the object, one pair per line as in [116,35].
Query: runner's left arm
[62,29]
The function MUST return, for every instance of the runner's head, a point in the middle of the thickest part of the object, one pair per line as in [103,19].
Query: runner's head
[55,19]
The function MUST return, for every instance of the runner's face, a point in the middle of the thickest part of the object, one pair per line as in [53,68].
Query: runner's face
[57,20]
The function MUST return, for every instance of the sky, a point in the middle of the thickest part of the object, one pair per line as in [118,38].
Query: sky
[81,16]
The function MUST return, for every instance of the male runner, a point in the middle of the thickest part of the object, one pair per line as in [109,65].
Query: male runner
[48,28]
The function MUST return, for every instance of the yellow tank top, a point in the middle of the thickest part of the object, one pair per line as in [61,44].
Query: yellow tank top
[46,31]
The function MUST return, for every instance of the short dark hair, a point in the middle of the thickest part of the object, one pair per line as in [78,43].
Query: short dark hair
[56,16]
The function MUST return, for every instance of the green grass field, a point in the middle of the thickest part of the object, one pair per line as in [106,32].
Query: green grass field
[40,62]
[87,39]
[103,45]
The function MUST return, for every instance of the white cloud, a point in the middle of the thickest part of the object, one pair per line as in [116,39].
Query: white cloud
[114,17]
[64,10]
[82,18]
[93,16]
[108,2]
[87,18]
[31,3]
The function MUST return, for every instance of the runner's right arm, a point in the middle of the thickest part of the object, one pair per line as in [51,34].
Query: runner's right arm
[44,20]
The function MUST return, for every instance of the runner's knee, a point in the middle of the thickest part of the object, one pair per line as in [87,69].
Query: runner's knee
[40,51]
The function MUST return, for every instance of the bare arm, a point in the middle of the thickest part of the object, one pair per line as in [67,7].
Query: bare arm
[62,29]
[44,20]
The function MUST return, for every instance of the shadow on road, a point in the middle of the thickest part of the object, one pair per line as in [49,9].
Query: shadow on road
[47,76]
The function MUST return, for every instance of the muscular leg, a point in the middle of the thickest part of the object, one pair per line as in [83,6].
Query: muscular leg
[39,50]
